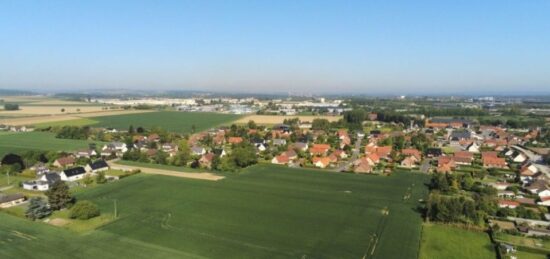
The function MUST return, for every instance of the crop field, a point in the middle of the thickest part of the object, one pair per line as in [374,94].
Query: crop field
[168,120]
[17,142]
[441,241]
[263,212]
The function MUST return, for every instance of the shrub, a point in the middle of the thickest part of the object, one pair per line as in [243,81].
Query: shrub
[84,210]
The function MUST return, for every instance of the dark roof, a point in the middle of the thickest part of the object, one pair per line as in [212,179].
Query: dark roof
[98,164]
[52,177]
[74,171]
[458,135]
[11,197]
[434,151]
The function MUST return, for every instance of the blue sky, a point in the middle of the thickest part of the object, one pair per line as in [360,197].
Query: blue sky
[370,47]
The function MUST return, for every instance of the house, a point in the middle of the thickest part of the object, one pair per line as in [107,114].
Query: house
[206,160]
[279,142]
[219,152]
[500,186]
[543,193]
[319,149]
[362,166]
[409,162]
[508,204]
[73,174]
[321,162]
[10,200]
[445,164]
[97,166]
[474,148]
[508,249]
[291,154]
[198,151]
[463,157]
[64,162]
[372,159]
[372,116]
[493,162]
[261,147]
[434,152]
[301,146]
[519,158]
[235,140]
[51,178]
[87,153]
[169,147]
[536,186]
[544,201]
[280,159]
[341,154]
[489,154]
[412,152]
[36,185]
[119,147]
[153,137]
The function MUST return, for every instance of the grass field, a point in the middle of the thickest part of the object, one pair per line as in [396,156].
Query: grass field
[168,120]
[18,142]
[264,212]
[440,241]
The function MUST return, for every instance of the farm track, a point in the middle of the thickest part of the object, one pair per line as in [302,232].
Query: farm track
[147,170]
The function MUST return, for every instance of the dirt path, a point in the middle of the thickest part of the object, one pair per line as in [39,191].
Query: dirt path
[147,170]
[64,117]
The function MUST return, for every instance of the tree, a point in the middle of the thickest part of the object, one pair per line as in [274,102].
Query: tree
[37,209]
[252,124]
[84,210]
[131,130]
[11,107]
[58,196]
[62,109]
[100,178]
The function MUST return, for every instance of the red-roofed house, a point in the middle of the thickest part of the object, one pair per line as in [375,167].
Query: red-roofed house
[321,162]
[412,152]
[494,162]
[319,149]
[235,140]
[508,204]
[280,160]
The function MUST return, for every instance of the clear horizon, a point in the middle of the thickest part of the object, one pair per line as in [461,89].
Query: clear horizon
[492,47]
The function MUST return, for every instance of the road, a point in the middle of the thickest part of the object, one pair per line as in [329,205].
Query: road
[425,166]
[354,155]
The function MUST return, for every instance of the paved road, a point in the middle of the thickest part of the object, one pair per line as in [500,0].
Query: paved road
[425,166]
[354,155]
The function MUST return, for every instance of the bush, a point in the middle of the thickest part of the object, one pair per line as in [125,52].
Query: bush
[84,210]
[11,107]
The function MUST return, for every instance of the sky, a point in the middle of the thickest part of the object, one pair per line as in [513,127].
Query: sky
[362,47]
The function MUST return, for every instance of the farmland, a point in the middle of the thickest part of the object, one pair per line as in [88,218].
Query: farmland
[168,120]
[17,142]
[263,212]
[440,241]
[276,119]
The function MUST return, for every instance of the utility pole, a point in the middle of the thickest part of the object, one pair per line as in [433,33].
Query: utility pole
[8,177]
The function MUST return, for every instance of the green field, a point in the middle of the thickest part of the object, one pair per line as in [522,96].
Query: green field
[168,120]
[18,142]
[440,241]
[264,212]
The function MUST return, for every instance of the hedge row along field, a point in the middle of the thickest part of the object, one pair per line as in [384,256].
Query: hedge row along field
[263,212]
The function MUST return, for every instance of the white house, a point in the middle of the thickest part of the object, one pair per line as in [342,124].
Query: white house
[36,185]
[73,174]
[520,158]
[474,148]
[11,200]
[97,166]
[544,193]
